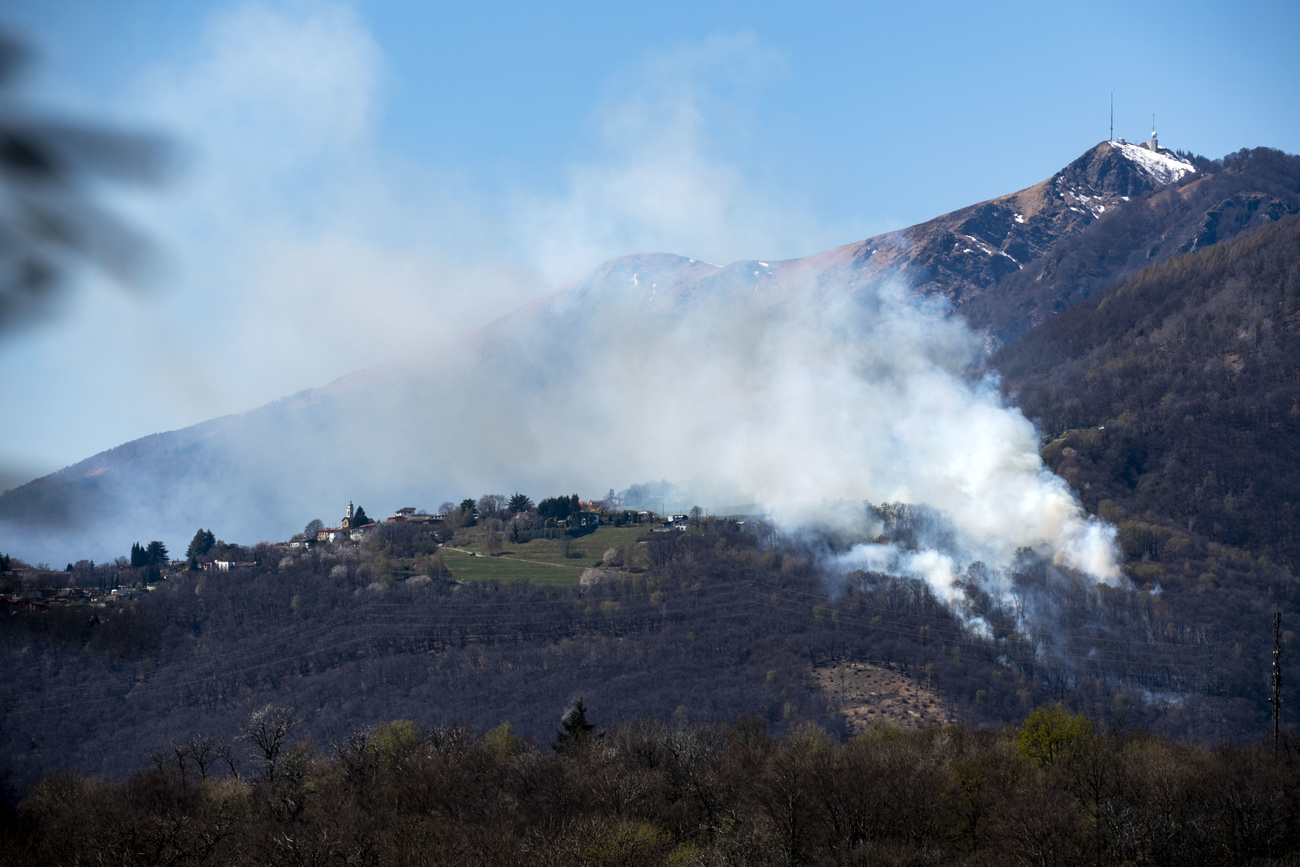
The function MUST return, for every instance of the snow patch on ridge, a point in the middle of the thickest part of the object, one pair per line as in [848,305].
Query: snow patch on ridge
[1162,166]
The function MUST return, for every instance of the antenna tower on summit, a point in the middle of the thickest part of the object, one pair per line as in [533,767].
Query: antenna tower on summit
[1112,116]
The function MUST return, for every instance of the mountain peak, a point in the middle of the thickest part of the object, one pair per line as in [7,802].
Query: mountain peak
[1119,170]
[1163,165]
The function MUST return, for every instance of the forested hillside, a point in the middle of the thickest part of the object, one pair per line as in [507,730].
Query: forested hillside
[1170,402]
[705,624]
[1174,398]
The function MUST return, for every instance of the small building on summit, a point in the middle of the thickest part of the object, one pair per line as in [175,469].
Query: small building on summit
[349,528]
[409,515]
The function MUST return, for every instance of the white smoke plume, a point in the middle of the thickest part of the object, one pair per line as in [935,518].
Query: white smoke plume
[803,392]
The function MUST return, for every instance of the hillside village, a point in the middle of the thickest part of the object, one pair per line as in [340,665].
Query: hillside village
[493,526]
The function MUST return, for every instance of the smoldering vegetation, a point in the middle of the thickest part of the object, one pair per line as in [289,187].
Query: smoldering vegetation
[707,624]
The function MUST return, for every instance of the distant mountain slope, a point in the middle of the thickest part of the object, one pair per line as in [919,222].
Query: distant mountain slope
[404,430]
[1176,394]
[1242,192]
[963,254]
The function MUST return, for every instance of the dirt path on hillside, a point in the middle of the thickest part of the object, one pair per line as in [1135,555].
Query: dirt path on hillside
[515,558]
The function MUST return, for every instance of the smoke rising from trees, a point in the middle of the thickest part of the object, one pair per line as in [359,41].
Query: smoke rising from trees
[808,395]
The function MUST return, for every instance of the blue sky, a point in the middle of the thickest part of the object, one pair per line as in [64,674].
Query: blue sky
[364,179]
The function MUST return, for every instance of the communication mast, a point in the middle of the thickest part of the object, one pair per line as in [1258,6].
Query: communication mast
[1112,116]
[1276,700]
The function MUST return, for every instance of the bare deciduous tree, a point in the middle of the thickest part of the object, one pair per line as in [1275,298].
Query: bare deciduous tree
[268,730]
[491,505]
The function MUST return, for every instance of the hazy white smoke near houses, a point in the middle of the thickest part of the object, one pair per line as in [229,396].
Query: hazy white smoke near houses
[805,393]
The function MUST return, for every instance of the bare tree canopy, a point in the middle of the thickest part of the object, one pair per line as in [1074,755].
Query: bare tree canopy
[267,730]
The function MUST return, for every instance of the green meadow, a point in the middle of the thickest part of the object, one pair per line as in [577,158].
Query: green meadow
[541,561]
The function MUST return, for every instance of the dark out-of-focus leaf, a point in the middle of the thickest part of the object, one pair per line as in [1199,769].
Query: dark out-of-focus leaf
[50,219]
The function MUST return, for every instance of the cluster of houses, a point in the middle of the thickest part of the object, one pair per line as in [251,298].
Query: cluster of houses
[57,597]
[349,530]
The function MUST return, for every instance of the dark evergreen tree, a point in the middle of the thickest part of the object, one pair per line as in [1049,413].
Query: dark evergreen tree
[155,554]
[360,518]
[576,731]
[520,503]
[201,544]
[559,508]
[138,556]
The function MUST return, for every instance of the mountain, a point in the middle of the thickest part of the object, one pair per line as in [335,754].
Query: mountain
[968,253]
[1240,193]
[513,405]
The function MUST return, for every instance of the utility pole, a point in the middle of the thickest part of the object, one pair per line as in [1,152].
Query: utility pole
[1276,700]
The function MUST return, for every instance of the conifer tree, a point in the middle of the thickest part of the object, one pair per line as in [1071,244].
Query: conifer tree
[201,544]
[577,731]
[155,554]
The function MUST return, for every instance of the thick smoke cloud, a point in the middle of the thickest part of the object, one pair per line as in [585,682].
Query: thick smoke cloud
[806,393]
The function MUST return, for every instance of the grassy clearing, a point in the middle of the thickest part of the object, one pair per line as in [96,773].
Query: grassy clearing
[585,550]
[539,561]
[472,568]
